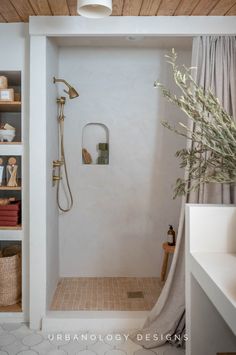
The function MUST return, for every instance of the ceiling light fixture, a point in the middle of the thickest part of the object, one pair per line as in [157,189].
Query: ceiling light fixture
[94,8]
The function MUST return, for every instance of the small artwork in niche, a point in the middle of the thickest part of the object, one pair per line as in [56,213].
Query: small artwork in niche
[95,144]
[103,158]
[87,159]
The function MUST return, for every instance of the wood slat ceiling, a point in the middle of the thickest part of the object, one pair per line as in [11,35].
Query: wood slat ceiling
[20,10]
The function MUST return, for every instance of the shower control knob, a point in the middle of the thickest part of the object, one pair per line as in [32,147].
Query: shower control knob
[56,178]
[57,163]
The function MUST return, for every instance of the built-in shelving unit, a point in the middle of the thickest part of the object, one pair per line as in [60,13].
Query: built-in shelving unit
[11,113]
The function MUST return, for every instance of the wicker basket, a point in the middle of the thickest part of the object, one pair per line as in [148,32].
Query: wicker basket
[11,250]
[10,279]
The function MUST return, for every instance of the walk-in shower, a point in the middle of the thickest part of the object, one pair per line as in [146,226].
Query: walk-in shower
[61,162]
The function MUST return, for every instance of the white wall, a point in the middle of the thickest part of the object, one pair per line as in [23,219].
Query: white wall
[121,211]
[51,154]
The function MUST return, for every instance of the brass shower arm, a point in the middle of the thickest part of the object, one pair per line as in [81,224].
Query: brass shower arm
[55,80]
[72,93]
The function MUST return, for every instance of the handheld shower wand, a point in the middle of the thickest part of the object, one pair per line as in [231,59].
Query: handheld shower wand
[61,162]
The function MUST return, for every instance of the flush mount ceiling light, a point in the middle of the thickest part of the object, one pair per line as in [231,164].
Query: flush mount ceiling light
[94,8]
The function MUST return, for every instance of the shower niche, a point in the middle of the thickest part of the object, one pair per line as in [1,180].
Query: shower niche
[95,144]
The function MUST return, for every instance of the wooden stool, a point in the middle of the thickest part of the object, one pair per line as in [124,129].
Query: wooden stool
[168,249]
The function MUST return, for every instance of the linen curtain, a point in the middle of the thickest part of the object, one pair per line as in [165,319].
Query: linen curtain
[214,58]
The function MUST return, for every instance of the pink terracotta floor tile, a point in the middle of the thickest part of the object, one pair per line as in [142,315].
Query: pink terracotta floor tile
[105,293]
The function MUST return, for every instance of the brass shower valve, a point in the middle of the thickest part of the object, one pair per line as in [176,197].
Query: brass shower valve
[57,163]
[56,178]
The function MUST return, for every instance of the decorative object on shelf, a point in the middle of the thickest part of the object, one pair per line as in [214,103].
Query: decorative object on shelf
[10,276]
[87,159]
[17,97]
[3,82]
[94,8]
[103,158]
[6,201]
[171,236]
[7,133]
[6,94]
[1,171]
[12,172]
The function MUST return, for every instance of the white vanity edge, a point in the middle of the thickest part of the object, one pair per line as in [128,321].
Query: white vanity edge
[216,274]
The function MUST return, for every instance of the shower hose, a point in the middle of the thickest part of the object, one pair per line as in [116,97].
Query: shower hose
[63,160]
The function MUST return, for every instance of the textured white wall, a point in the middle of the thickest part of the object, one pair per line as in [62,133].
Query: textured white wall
[121,211]
[51,154]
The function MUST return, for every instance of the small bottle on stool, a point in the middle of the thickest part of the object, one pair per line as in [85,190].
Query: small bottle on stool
[171,236]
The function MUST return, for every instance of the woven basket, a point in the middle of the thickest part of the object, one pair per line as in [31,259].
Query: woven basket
[10,280]
[11,250]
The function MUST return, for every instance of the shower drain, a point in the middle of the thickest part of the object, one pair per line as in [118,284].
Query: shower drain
[136,294]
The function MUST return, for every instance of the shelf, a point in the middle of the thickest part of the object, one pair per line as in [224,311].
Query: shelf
[11,228]
[11,235]
[9,143]
[10,188]
[13,148]
[215,274]
[10,309]
[11,106]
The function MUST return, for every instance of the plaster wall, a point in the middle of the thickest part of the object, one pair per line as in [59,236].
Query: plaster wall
[52,244]
[121,211]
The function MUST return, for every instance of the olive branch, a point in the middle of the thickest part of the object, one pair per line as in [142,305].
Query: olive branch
[210,155]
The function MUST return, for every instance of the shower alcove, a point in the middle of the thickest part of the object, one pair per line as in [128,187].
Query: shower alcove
[121,212]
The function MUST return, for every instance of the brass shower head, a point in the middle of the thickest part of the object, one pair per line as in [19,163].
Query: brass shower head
[72,93]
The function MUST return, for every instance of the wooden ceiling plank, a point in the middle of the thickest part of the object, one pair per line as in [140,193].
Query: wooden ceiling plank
[186,7]
[72,5]
[117,7]
[222,7]
[150,7]
[132,7]
[40,7]
[9,12]
[232,11]
[59,7]
[2,19]
[23,9]
[204,7]
[168,7]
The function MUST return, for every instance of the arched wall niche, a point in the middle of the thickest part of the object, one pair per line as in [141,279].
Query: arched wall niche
[95,144]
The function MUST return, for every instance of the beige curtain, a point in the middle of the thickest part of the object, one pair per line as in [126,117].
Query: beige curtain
[215,60]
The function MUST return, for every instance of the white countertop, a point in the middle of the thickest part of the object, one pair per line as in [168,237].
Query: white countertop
[216,274]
